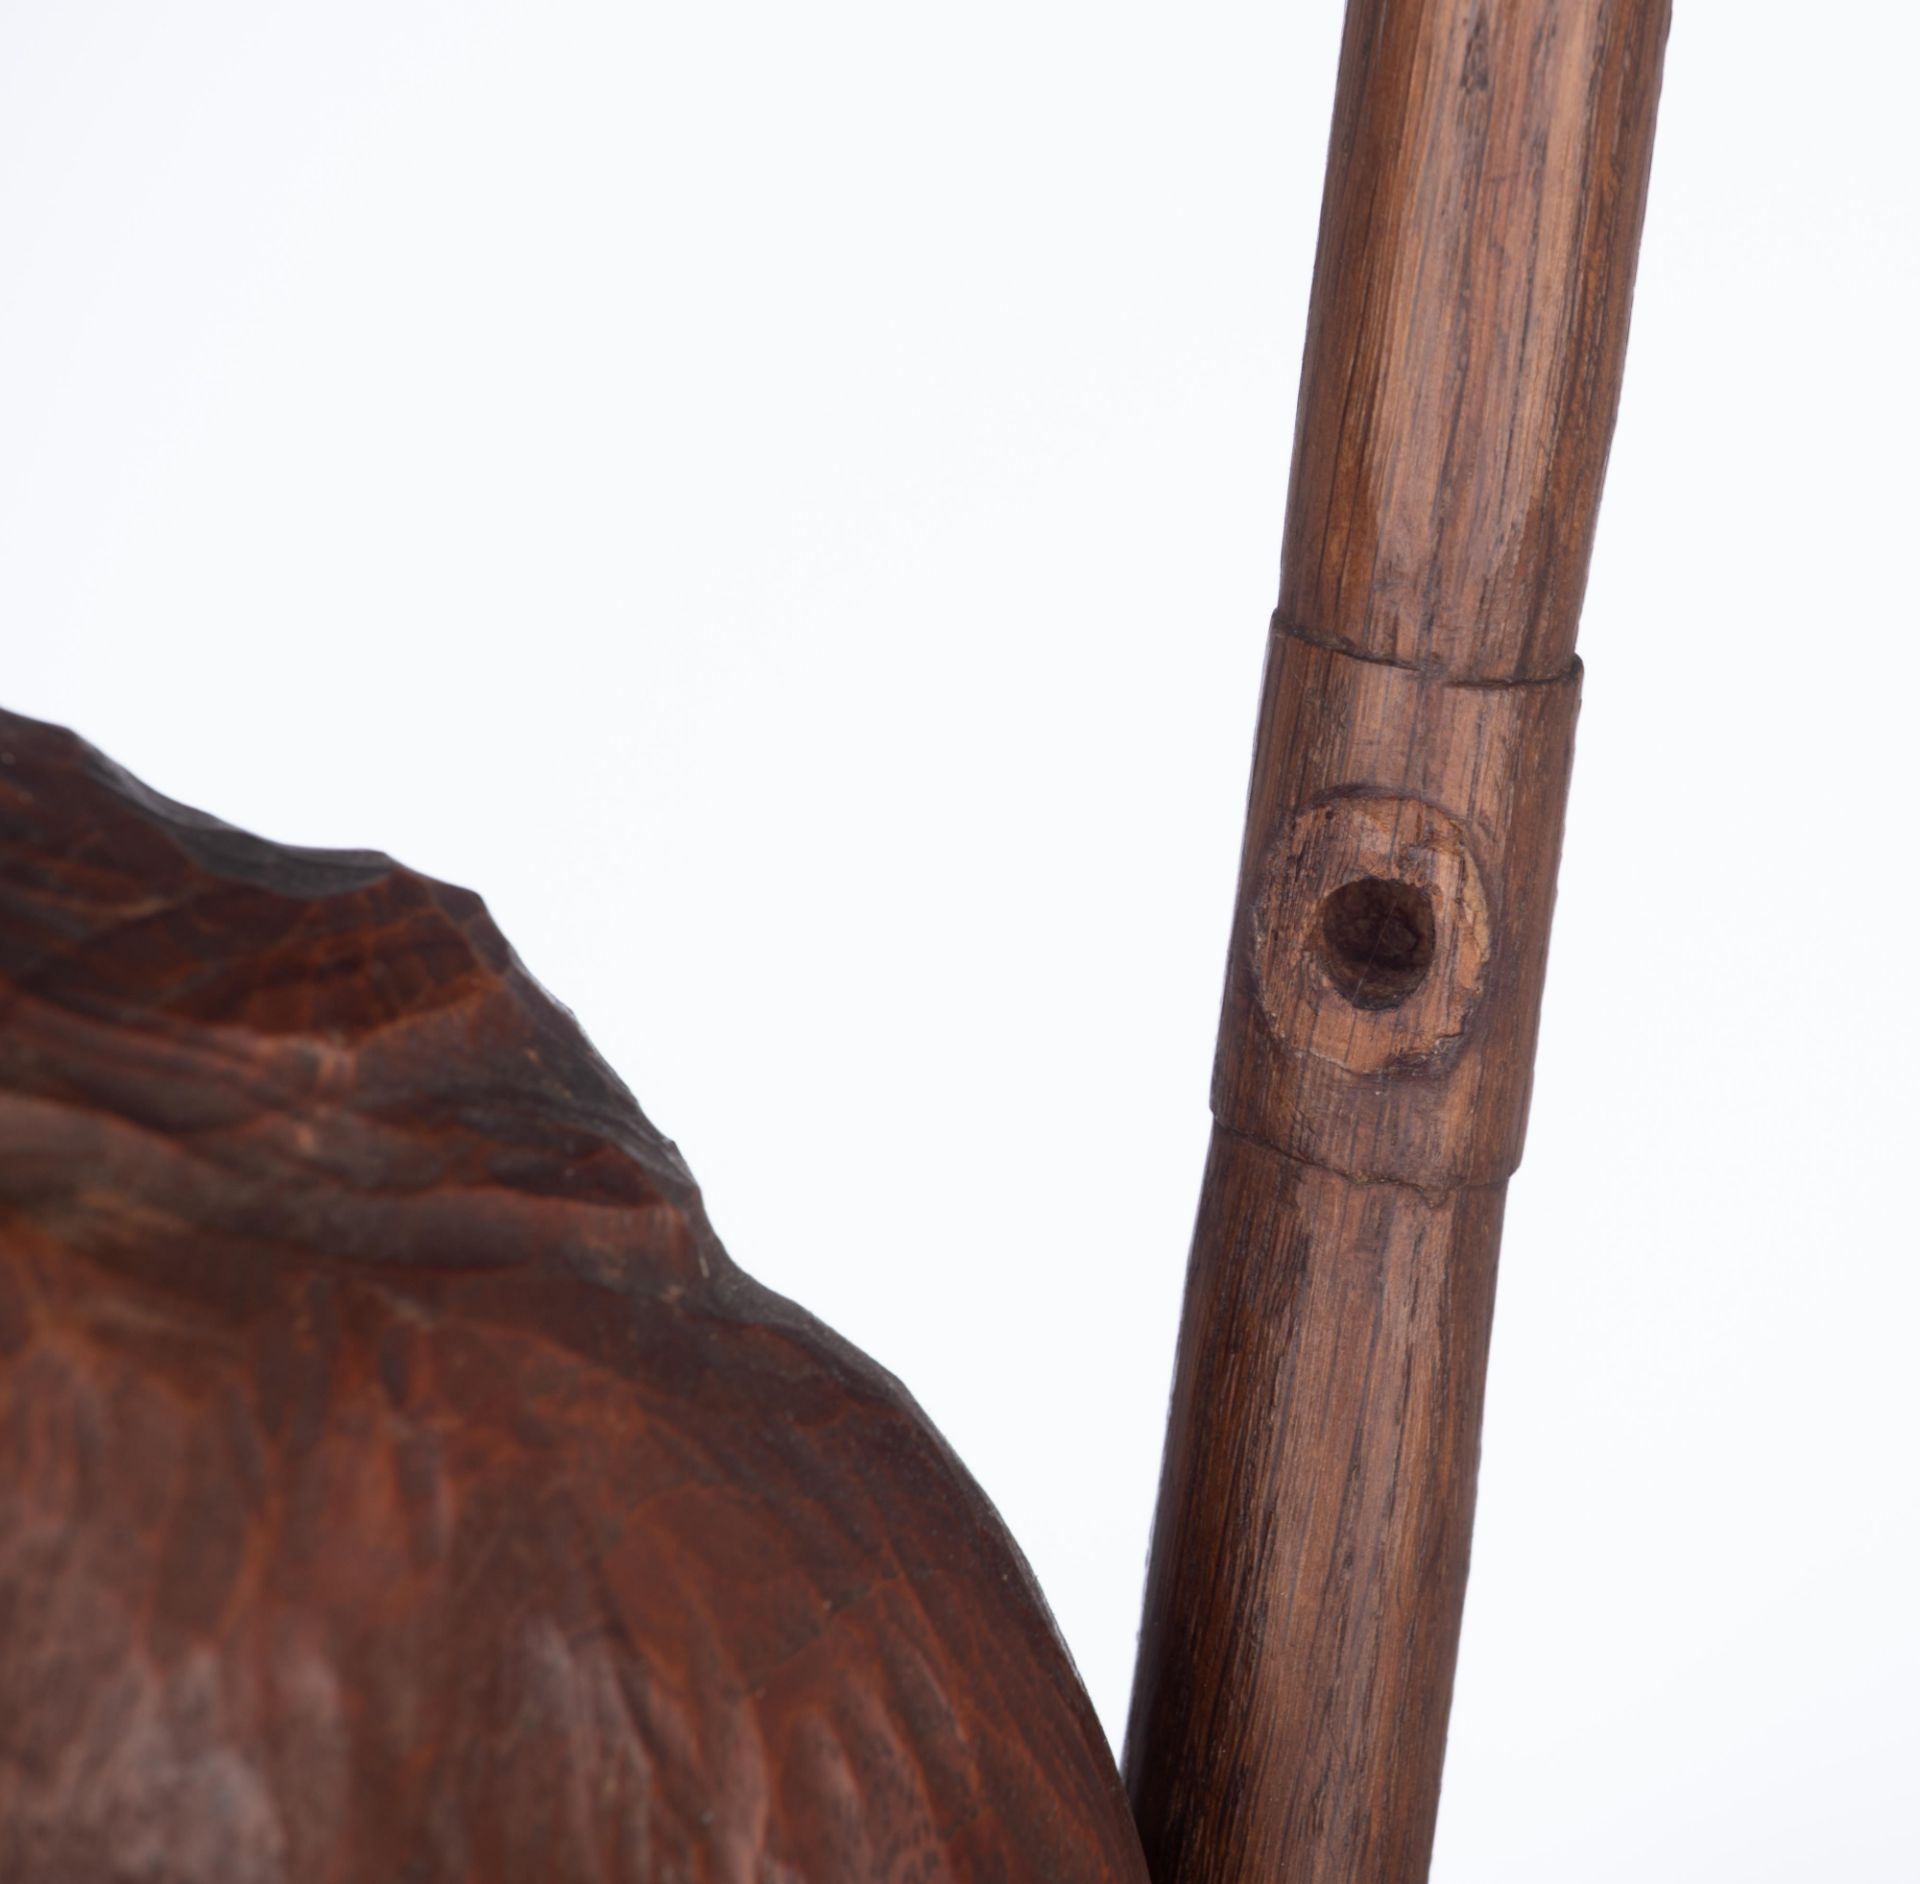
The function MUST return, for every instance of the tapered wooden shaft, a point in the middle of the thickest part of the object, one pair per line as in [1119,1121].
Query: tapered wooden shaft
[1485,186]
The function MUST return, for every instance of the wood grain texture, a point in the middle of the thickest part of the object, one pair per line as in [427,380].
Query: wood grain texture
[1486,181]
[1298,1664]
[397,1481]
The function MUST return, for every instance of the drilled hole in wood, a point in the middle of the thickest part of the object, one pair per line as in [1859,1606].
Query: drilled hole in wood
[1376,940]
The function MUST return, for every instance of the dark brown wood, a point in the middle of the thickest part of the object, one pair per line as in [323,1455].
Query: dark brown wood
[1485,186]
[398,1484]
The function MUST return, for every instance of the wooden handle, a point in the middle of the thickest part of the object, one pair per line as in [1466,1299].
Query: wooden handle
[1485,187]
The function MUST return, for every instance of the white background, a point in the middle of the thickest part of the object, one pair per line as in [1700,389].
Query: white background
[784,499]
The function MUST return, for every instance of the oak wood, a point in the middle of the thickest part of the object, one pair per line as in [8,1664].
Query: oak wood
[1485,187]
[398,1483]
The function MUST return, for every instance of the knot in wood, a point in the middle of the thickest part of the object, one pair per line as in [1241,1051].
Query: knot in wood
[1390,947]
[1370,933]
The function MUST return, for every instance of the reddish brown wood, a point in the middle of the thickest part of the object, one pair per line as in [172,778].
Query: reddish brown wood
[1485,186]
[397,1481]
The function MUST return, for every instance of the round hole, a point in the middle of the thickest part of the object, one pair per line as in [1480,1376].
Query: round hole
[1376,940]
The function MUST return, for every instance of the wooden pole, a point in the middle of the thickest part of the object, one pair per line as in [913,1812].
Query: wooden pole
[1485,187]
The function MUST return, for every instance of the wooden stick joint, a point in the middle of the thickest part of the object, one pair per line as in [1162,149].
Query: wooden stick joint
[1396,891]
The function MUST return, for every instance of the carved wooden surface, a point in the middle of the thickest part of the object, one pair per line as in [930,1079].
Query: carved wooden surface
[1485,186]
[397,1481]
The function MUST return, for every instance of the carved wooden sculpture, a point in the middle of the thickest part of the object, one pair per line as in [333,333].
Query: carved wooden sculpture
[398,1482]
